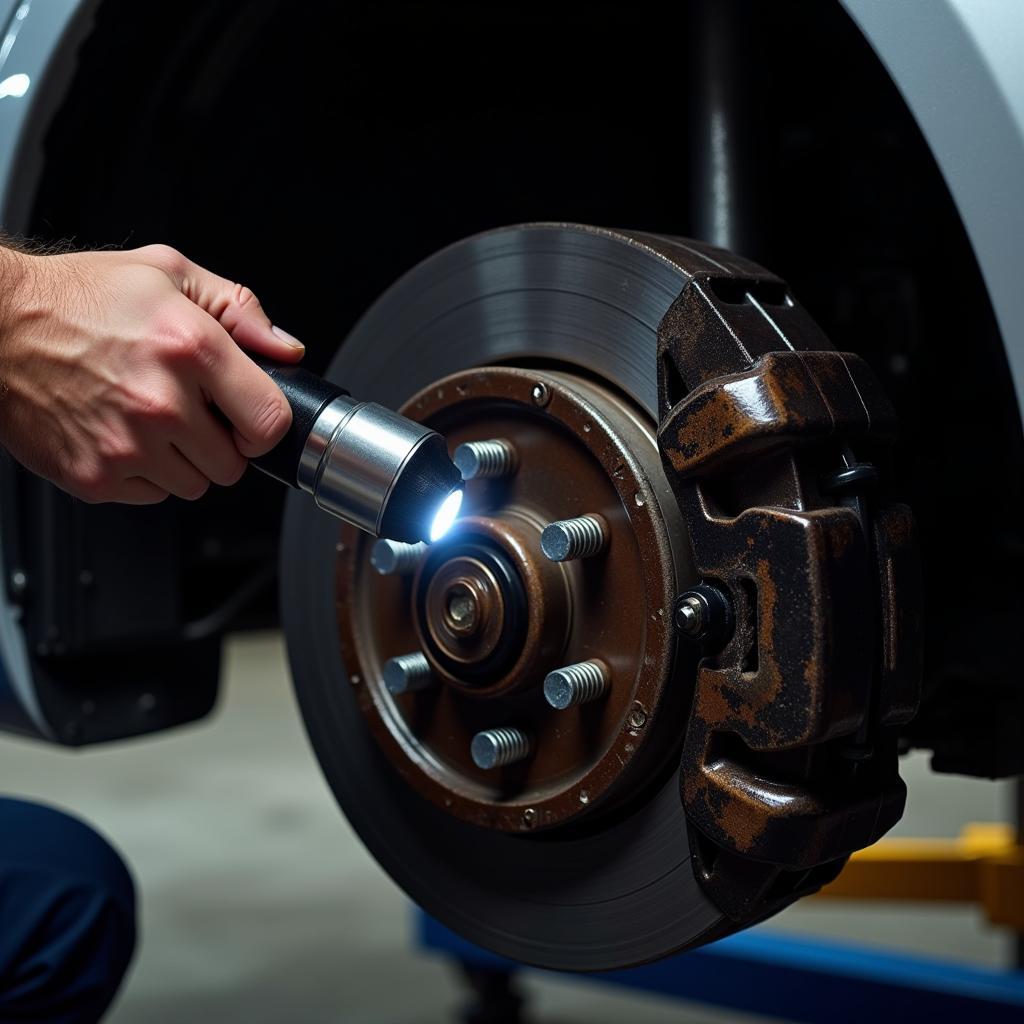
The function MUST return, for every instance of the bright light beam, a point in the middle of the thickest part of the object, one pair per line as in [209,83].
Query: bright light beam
[446,515]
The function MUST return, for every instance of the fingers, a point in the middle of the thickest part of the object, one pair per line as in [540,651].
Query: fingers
[170,471]
[254,404]
[239,312]
[136,491]
[210,448]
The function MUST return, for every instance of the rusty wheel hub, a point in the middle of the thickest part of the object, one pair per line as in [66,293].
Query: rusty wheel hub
[494,616]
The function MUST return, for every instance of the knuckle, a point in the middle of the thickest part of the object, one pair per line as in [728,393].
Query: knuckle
[90,481]
[244,298]
[119,449]
[165,257]
[161,407]
[187,344]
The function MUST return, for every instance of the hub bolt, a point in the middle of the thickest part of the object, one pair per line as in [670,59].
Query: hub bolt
[393,558]
[495,748]
[576,684]
[407,673]
[462,610]
[485,459]
[540,393]
[569,539]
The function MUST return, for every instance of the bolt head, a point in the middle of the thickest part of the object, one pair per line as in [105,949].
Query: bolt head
[637,718]
[691,616]
[540,393]
[529,817]
[462,610]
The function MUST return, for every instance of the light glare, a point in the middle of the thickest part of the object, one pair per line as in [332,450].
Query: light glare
[14,85]
[446,515]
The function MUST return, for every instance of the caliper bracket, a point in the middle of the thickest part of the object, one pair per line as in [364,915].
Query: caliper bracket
[770,438]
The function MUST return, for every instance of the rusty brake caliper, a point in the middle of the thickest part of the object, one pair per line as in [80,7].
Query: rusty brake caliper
[810,601]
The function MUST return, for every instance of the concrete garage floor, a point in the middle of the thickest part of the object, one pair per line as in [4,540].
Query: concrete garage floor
[260,905]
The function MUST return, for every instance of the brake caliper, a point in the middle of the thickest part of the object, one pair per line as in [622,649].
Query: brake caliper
[809,611]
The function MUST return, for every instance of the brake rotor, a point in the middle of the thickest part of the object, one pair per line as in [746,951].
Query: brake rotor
[577,857]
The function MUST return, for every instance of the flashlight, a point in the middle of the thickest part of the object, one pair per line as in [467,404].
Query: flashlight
[365,464]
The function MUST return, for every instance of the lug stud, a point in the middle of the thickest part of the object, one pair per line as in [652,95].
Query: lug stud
[576,684]
[393,558]
[489,460]
[407,673]
[569,539]
[495,748]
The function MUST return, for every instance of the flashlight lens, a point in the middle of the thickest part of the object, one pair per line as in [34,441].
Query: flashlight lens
[446,515]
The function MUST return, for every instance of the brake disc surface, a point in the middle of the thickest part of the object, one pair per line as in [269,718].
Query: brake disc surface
[614,889]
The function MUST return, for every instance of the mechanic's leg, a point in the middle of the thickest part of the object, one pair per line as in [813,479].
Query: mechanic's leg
[67,917]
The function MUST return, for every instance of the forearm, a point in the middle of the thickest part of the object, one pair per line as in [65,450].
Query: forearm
[15,269]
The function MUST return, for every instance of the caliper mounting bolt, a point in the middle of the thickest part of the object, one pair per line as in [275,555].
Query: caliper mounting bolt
[705,612]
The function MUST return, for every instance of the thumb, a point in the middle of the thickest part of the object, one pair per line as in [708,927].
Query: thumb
[240,314]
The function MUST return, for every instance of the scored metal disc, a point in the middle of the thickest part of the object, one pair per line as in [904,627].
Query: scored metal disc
[624,892]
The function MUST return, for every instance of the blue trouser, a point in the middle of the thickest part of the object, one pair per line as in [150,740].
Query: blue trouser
[67,917]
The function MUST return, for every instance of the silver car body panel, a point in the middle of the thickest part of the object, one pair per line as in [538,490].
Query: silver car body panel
[959,66]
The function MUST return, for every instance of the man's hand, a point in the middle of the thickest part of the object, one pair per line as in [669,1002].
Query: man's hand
[109,363]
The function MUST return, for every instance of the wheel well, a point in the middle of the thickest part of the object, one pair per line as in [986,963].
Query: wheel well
[318,157]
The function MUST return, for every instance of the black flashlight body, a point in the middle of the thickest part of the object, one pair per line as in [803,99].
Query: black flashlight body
[365,464]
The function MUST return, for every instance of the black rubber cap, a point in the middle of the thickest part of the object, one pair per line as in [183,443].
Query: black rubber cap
[308,395]
[423,483]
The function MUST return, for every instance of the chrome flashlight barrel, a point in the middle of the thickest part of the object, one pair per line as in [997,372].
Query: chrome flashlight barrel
[353,474]
[361,462]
